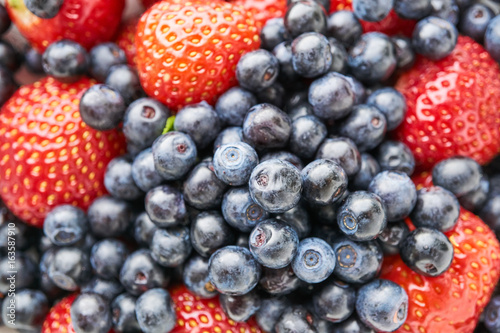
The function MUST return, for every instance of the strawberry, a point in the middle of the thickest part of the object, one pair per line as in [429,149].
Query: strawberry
[125,39]
[88,22]
[196,315]
[453,301]
[48,155]
[187,51]
[453,106]
[391,25]
[148,3]
[263,10]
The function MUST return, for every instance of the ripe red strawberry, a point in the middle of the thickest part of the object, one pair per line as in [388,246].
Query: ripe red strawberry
[263,10]
[125,39]
[390,25]
[88,22]
[148,3]
[453,106]
[453,301]
[196,315]
[187,51]
[48,156]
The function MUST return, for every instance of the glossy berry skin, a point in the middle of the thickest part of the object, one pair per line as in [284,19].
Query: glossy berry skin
[108,289]
[342,151]
[107,257]
[266,126]
[412,9]
[362,216]
[89,25]
[65,225]
[446,9]
[324,182]
[108,216]
[233,163]
[227,136]
[240,308]
[404,54]
[314,261]
[296,319]
[331,96]
[240,211]
[382,305]
[31,308]
[65,60]
[475,200]
[202,189]
[280,281]
[434,38]
[123,314]
[459,175]
[165,206]
[491,314]
[195,277]
[257,70]
[58,320]
[102,107]
[171,247]
[344,26]
[391,103]
[7,84]
[155,311]
[392,236]
[124,79]
[125,39]
[305,16]
[209,232]
[118,180]
[263,10]
[287,75]
[44,9]
[144,229]
[436,208]
[397,191]
[477,137]
[233,270]
[372,58]
[474,21]
[273,243]
[339,56]
[25,265]
[492,38]
[232,106]
[143,171]
[275,185]
[357,262]
[200,122]
[352,325]
[70,268]
[140,273]
[199,35]
[334,302]
[270,311]
[174,154]
[311,54]
[395,156]
[368,170]
[307,134]
[273,33]
[372,11]
[62,147]
[104,56]
[284,156]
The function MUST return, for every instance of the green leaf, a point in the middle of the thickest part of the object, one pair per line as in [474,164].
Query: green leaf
[170,125]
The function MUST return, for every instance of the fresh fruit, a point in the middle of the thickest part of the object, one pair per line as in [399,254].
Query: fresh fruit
[454,101]
[184,58]
[49,156]
[263,10]
[87,22]
[125,39]
[59,320]
[453,301]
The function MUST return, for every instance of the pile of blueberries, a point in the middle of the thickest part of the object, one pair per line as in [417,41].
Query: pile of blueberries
[282,199]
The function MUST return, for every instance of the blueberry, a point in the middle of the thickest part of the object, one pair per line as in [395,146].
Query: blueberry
[315,260]
[103,57]
[118,180]
[391,103]
[397,191]
[492,38]
[102,107]
[490,213]
[371,11]
[358,89]
[405,55]
[275,95]
[311,55]
[324,3]
[344,27]
[242,240]
[108,217]
[174,154]
[352,325]
[22,232]
[26,272]
[305,16]
[233,163]
[446,9]
[357,262]
[342,151]
[240,211]
[492,315]
[32,58]
[395,156]
[328,233]
[434,38]
[372,58]
[195,277]
[165,206]
[307,134]
[257,70]
[227,136]
[209,232]
[339,56]
[436,208]
[475,200]
[155,311]
[427,251]
[144,121]
[107,257]
[412,9]
[90,313]
[284,156]
[392,236]
[269,312]
[233,270]
[200,121]
[232,106]
[369,169]
[298,219]
[7,85]
[331,96]
[108,289]
[287,74]
[202,188]
[334,302]
[5,21]
[266,126]
[143,171]
[296,319]
[65,225]
[65,60]
[275,185]
[459,175]
[144,229]
[273,32]
[324,182]
[140,273]
[382,305]
[30,309]
[240,308]
[171,247]
[125,80]
[43,8]
[123,314]
[474,21]
[70,268]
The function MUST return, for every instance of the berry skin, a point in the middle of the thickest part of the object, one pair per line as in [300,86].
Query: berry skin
[143,171]
[125,39]
[280,281]
[335,301]
[474,21]
[195,277]
[369,169]
[90,313]
[209,232]
[273,33]
[179,55]
[324,182]
[155,311]
[305,16]
[202,189]
[435,208]
[165,206]
[30,311]
[44,9]
[123,314]
[491,315]
[108,216]
[392,236]
[102,57]
[86,22]
[307,134]
[70,268]
[240,211]
[314,261]
[434,38]
[228,135]
[234,163]
[107,257]
[492,38]
[144,229]
[171,247]
[342,151]
[391,103]
[257,70]
[405,54]
[270,311]
[395,156]
[102,107]
[296,319]
[372,11]
[65,60]
[344,26]
[240,308]
[412,9]
[459,175]
[200,122]
[65,225]
[59,320]
[124,79]
[62,161]
[174,154]
[266,126]
[232,106]
[470,131]
[311,55]
[331,96]
[118,180]
[453,301]
[263,10]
